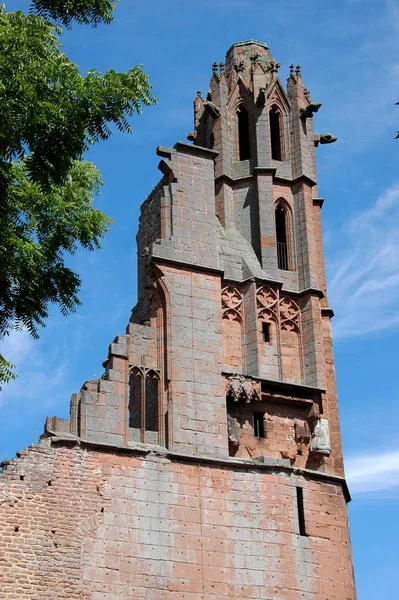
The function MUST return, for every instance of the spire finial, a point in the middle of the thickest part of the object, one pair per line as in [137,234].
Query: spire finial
[298,71]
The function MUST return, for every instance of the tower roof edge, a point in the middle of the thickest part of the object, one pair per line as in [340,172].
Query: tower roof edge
[247,43]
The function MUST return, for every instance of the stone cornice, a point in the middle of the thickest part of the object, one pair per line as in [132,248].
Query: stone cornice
[264,464]
[167,152]
[195,150]
[292,387]
[269,171]
[279,284]
[187,265]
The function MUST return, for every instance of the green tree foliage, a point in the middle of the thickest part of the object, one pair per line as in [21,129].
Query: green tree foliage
[90,12]
[50,116]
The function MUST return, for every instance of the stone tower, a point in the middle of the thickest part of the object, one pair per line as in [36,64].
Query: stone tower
[206,462]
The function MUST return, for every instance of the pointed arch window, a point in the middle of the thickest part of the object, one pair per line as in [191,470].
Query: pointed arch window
[244,149]
[276,133]
[143,406]
[283,238]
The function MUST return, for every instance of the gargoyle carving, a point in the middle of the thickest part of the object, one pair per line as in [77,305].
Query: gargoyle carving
[307,113]
[261,99]
[324,138]
[212,109]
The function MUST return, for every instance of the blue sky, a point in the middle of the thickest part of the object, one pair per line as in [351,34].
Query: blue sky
[349,53]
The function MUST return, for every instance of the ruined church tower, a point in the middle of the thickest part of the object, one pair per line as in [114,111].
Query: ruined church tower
[206,462]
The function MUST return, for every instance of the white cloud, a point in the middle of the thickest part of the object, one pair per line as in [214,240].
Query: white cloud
[371,473]
[364,285]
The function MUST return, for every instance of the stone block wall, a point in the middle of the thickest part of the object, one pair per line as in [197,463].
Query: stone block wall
[151,526]
[206,462]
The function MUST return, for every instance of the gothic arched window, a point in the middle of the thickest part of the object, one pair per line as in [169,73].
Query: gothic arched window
[283,238]
[144,403]
[244,150]
[276,133]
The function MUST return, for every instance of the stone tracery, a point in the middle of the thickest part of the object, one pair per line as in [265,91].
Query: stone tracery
[289,315]
[232,303]
[239,387]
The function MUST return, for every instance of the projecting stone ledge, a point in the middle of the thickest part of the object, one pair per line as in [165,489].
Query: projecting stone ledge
[260,463]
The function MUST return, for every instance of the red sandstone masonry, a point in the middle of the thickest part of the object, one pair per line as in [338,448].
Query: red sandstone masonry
[230,353]
[150,527]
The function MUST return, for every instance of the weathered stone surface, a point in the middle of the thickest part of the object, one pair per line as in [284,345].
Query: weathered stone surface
[86,523]
[206,461]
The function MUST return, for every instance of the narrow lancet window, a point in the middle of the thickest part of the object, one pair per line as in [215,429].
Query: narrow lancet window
[151,402]
[135,398]
[301,511]
[281,238]
[266,332]
[244,152]
[276,133]
[259,428]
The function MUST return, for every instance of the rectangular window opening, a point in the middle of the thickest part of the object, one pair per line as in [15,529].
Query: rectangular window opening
[266,332]
[259,428]
[301,512]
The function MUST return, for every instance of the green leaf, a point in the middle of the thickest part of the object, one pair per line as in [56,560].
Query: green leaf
[50,115]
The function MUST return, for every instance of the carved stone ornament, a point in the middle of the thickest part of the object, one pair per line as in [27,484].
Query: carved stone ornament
[302,432]
[215,71]
[198,109]
[289,315]
[321,438]
[212,108]
[324,138]
[267,304]
[307,113]
[232,303]
[240,388]
[261,99]
[273,66]
[266,297]
[281,310]
[233,430]
[239,65]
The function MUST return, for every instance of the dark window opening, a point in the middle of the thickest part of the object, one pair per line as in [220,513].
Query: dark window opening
[151,404]
[259,428]
[243,134]
[275,133]
[301,512]
[79,418]
[135,401]
[144,404]
[281,237]
[266,332]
